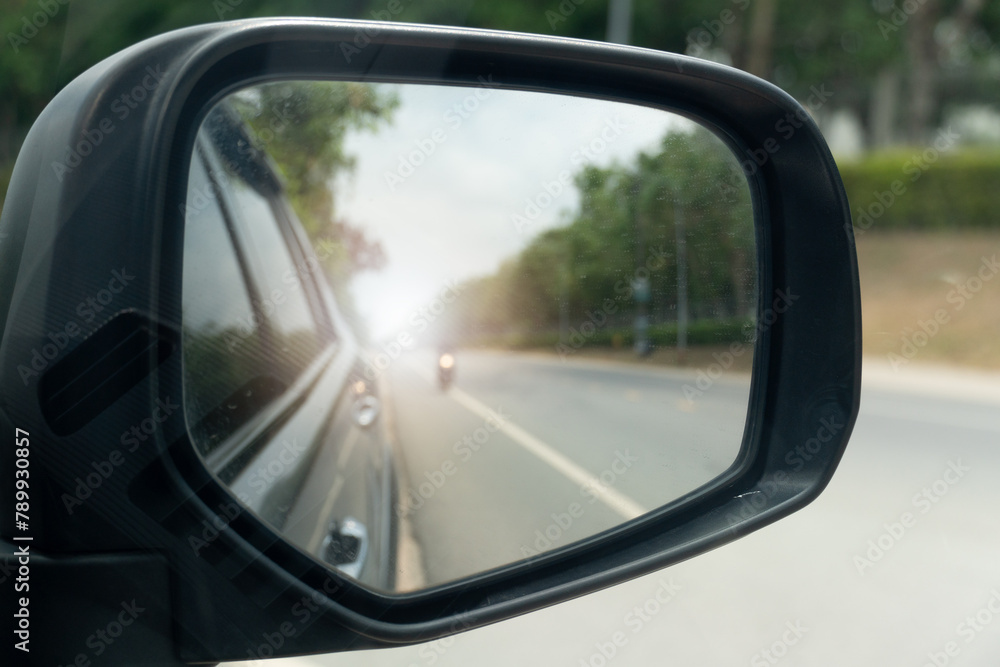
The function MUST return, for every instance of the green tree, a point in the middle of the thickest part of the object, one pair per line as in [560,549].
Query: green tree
[626,226]
[302,126]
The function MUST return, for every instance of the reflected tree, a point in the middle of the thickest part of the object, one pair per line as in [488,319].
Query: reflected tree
[626,232]
[302,126]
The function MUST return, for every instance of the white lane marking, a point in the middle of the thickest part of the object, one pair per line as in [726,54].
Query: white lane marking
[620,503]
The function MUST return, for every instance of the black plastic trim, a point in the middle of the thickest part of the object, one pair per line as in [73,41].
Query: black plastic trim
[102,369]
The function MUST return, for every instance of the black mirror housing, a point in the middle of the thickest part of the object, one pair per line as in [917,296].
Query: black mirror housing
[90,274]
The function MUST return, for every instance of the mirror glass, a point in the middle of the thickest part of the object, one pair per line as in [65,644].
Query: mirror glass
[429,331]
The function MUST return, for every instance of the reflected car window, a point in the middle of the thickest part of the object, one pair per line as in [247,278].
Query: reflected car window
[286,308]
[249,331]
[223,348]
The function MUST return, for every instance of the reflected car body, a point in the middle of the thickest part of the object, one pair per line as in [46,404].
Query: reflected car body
[275,390]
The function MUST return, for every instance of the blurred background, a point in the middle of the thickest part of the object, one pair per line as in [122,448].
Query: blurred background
[907,96]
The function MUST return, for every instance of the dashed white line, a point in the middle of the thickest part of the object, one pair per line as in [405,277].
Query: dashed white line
[620,503]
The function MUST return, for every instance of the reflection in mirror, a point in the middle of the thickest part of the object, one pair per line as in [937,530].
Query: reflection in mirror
[430,331]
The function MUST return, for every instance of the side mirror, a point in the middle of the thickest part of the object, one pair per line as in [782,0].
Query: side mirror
[576,312]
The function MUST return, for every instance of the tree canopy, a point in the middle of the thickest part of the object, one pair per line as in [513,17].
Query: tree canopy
[627,227]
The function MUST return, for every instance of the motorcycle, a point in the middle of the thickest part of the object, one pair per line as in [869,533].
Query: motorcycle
[446,370]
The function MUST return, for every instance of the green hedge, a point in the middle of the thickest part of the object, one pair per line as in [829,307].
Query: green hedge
[924,189]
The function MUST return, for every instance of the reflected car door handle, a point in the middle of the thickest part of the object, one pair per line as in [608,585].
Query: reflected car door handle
[346,546]
[366,410]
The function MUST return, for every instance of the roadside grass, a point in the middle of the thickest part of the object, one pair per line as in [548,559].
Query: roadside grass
[696,357]
[907,276]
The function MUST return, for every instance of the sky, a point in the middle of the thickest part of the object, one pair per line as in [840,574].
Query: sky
[441,186]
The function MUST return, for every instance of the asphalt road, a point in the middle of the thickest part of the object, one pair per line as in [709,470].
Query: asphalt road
[844,581]
[526,453]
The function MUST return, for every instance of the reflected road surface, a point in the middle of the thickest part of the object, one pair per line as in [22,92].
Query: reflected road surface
[527,452]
